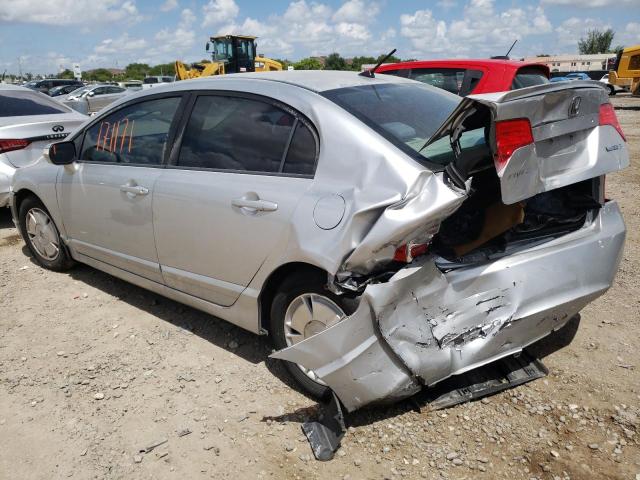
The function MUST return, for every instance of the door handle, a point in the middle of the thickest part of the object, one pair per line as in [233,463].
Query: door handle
[257,205]
[134,189]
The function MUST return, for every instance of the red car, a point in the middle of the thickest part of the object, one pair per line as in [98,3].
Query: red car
[465,76]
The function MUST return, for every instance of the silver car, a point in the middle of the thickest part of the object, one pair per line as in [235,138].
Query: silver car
[93,98]
[386,234]
[29,121]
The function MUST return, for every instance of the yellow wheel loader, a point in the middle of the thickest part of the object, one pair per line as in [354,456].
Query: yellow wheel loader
[229,54]
[627,70]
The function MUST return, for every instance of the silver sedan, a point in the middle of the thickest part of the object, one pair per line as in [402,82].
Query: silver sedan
[386,234]
[93,98]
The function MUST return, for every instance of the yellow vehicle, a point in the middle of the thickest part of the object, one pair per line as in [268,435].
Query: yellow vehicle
[627,70]
[229,54]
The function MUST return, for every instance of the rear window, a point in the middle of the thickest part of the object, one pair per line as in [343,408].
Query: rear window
[528,77]
[405,114]
[20,104]
[460,81]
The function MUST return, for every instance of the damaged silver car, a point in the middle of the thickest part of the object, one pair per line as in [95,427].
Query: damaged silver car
[385,233]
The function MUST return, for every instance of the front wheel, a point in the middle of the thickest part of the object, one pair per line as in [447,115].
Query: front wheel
[42,237]
[302,308]
[612,90]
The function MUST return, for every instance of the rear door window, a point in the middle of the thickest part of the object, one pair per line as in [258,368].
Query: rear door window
[528,77]
[236,133]
[21,103]
[302,153]
[136,134]
[449,79]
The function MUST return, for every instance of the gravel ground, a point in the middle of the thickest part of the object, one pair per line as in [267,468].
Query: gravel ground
[94,370]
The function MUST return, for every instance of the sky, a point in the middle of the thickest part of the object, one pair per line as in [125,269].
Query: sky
[44,36]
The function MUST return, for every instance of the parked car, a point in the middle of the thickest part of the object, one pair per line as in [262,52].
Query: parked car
[92,98]
[469,76]
[571,76]
[134,85]
[28,122]
[385,233]
[149,82]
[48,83]
[613,89]
[63,90]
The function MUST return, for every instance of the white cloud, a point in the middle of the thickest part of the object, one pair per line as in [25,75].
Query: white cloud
[120,45]
[629,36]
[169,5]
[593,3]
[572,29]
[218,12]
[69,12]
[356,12]
[175,41]
[481,30]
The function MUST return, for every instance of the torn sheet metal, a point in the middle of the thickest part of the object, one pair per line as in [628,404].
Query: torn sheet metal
[416,217]
[326,433]
[488,380]
[423,325]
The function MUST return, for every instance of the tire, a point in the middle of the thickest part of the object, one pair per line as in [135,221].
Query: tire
[42,236]
[297,292]
[612,90]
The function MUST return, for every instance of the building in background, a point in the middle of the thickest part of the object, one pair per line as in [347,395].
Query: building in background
[576,63]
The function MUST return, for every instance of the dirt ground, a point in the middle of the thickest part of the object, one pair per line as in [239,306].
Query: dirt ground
[92,370]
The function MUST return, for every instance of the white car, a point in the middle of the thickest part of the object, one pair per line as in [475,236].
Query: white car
[90,99]
[29,120]
[613,89]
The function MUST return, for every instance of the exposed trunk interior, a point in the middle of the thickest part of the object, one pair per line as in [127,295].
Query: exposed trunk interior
[484,228]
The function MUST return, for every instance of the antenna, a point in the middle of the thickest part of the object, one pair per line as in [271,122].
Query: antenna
[512,45]
[505,57]
[371,72]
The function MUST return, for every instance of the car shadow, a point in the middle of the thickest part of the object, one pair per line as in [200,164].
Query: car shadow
[5,218]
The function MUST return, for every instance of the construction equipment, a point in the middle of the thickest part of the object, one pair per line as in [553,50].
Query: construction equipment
[229,54]
[626,72]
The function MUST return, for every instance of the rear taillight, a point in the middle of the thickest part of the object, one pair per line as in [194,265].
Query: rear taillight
[407,252]
[8,145]
[510,136]
[608,117]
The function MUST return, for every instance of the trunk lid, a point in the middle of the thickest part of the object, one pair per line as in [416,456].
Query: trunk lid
[569,144]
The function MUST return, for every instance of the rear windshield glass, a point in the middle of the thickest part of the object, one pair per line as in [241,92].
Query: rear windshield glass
[19,104]
[405,114]
[528,77]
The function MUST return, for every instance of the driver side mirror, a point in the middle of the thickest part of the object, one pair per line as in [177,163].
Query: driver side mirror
[91,93]
[62,153]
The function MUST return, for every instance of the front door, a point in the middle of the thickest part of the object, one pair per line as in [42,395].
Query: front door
[225,205]
[106,196]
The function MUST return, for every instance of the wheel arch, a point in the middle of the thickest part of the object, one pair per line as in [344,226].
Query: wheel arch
[274,280]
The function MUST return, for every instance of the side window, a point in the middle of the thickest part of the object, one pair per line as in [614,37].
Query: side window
[449,79]
[301,156]
[233,133]
[403,72]
[115,90]
[136,134]
[470,82]
[99,91]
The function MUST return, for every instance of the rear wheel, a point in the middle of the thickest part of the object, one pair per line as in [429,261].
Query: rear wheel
[42,237]
[302,308]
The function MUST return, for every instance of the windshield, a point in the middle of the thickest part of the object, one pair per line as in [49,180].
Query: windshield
[79,91]
[222,49]
[528,77]
[405,114]
[150,80]
[20,104]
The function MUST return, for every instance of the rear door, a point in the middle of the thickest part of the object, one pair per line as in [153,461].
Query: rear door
[105,197]
[545,137]
[225,201]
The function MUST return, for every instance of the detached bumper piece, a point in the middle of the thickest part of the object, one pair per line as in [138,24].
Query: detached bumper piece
[326,434]
[488,380]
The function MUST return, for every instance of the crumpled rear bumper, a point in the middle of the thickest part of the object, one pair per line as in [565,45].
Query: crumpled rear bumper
[424,325]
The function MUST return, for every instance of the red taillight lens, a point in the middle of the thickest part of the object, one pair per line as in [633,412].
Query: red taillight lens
[13,144]
[608,117]
[510,136]
[407,252]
